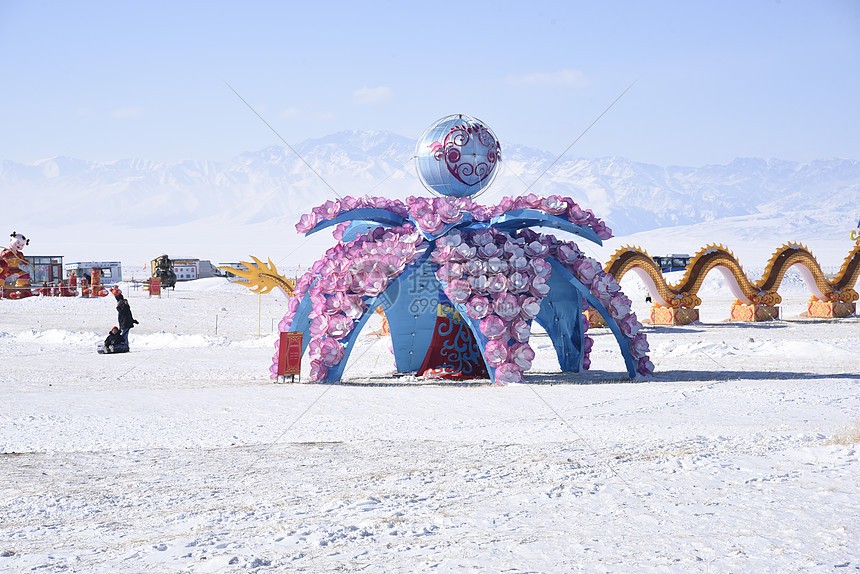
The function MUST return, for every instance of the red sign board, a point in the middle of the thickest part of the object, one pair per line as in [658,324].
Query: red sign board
[154,286]
[290,354]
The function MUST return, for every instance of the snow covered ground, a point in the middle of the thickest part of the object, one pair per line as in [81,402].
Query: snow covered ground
[182,456]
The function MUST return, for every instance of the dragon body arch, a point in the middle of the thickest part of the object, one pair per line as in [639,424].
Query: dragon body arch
[763,292]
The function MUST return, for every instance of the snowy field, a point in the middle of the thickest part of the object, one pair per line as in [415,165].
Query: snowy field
[740,455]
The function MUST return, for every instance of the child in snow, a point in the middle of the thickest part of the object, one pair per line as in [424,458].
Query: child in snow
[115,343]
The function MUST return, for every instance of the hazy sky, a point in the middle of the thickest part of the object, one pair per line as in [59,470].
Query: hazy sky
[713,80]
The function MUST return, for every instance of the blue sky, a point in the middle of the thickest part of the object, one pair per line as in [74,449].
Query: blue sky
[713,80]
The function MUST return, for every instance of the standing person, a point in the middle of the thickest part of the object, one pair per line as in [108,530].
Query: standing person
[126,321]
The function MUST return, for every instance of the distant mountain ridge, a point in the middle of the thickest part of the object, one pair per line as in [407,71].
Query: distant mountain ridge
[273,184]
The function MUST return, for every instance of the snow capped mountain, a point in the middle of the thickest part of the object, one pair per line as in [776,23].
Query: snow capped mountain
[273,186]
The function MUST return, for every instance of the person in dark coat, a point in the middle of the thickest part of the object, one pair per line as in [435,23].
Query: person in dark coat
[115,343]
[126,321]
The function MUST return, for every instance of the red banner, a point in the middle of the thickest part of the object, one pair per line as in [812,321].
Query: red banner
[154,286]
[290,354]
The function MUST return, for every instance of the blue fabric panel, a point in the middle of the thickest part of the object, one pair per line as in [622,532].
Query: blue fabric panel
[302,322]
[562,272]
[410,306]
[519,218]
[561,317]
[382,217]
[358,227]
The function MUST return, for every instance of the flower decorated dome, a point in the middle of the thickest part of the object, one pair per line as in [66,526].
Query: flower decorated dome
[458,156]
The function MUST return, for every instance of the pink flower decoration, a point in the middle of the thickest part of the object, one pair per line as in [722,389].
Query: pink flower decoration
[430,223]
[318,370]
[307,222]
[463,252]
[588,344]
[532,201]
[478,307]
[504,206]
[333,304]
[452,239]
[554,205]
[523,355]
[509,373]
[495,353]
[489,251]
[353,306]
[568,253]
[329,282]
[601,286]
[349,203]
[539,288]
[645,367]
[315,348]
[418,207]
[619,306]
[601,230]
[493,327]
[496,265]
[541,267]
[585,270]
[359,279]
[458,290]
[520,330]
[536,249]
[440,255]
[639,346]
[375,283]
[478,283]
[481,213]
[586,363]
[530,307]
[481,238]
[331,352]
[319,326]
[497,284]
[340,229]
[519,263]
[577,215]
[448,212]
[506,306]
[449,272]
[339,326]
[513,249]
[476,267]
[518,282]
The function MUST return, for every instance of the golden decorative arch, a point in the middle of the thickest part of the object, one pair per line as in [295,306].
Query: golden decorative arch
[763,292]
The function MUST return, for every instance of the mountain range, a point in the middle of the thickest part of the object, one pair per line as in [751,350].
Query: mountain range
[132,199]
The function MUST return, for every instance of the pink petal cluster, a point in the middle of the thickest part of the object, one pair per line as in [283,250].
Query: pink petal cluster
[501,285]
[432,215]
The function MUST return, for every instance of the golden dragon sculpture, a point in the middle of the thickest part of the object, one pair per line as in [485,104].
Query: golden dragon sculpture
[262,278]
[763,292]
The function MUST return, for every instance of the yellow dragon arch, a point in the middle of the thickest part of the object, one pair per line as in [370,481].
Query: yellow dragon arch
[763,292]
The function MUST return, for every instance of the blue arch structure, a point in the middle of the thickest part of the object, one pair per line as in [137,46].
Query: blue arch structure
[410,300]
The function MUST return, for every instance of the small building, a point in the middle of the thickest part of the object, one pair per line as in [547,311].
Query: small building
[111,270]
[188,269]
[45,269]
